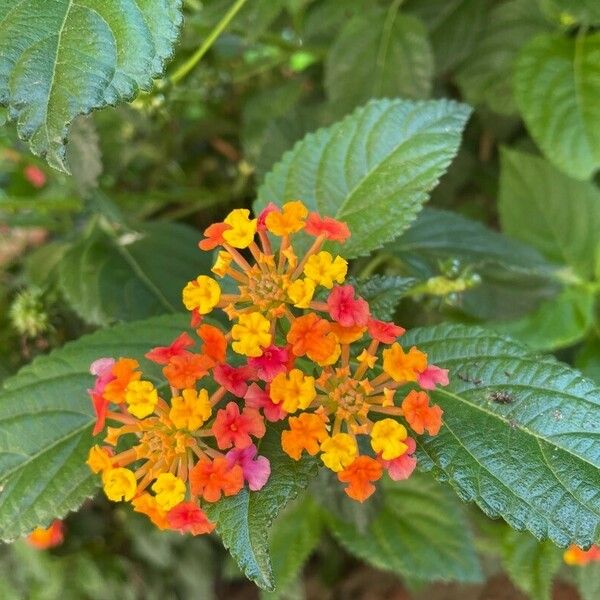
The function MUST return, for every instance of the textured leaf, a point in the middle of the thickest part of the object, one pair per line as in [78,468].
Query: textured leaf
[373,170]
[378,53]
[454,27]
[554,213]
[47,418]
[514,278]
[531,565]
[134,276]
[419,532]
[557,323]
[243,520]
[534,457]
[383,293]
[485,77]
[61,59]
[557,85]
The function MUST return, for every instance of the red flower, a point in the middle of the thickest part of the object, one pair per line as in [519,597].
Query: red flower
[383,332]
[274,360]
[210,479]
[232,428]
[163,354]
[258,398]
[345,308]
[359,476]
[332,229]
[188,517]
[42,539]
[213,236]
[233,379]
[215,342]
[100,405]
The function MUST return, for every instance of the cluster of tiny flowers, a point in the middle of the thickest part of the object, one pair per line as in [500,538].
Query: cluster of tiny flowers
[305,351]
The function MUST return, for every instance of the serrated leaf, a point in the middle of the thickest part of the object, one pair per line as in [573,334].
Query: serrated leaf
[419,532]
[243,520]
[373,170]
[557,85]
[543,207]
[47,419]
[532,458]
[531,565]
[515,278]
[378,53]
[454,27]
[485,77]
[133,276]
[557,323]
[383,293]
[62,59]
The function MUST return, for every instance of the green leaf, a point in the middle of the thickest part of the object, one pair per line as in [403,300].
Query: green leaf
[378,53]
[588,359]
[543,207]
[84,156]
[514,278]
[557,323]
[534,457]
[531,565]
[455,26]
[61,59]
[47,421]
[294,536]
[419,532]
[243,520]
[373,170]
[485,77]
[557,85]
[383,293]
[588,581]
[136,275]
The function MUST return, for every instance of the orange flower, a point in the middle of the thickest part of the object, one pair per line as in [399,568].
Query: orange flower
[215,343]
[331,228]
[359,476]
[403,366]
[213,235]
[124,372]
[44,538]
[147,505]
[347,335]
[183,371]
[188,517]
[307,431]
[577,556]
[421,416]
[210,479]
[312,336]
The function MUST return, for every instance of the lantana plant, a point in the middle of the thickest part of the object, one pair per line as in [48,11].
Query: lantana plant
[301,348]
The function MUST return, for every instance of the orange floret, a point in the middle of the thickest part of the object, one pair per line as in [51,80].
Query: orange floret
[307,431]
[215,342]
[419,415]
[359,476]
[124,372]
[312,336]
[183,371]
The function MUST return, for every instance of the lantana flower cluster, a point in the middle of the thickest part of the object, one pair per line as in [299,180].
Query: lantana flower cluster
[305,351]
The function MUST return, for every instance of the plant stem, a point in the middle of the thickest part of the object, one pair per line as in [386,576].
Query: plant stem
[189,64]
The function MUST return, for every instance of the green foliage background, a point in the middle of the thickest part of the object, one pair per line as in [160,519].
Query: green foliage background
[487,110]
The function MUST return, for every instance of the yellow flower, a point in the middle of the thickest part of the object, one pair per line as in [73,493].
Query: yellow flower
[367,359]
[190,410]
[141,397]
[222,263]
[323,269]
[289,220]
[119,484]
[251,334]
[242,229]
[403,366]
[301,292]
[387,437]
[98,459]
[293,390]
[169,490]
[202,294]
[339,451]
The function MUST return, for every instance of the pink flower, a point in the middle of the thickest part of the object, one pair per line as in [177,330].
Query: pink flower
[402,467]
[383,332]
[262,217]
[431,376]
[331,228]
[232,428]
[233,379]
[163,354]
[256,470]
[347,310]
[257,398]
[273,361]
[35,176]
